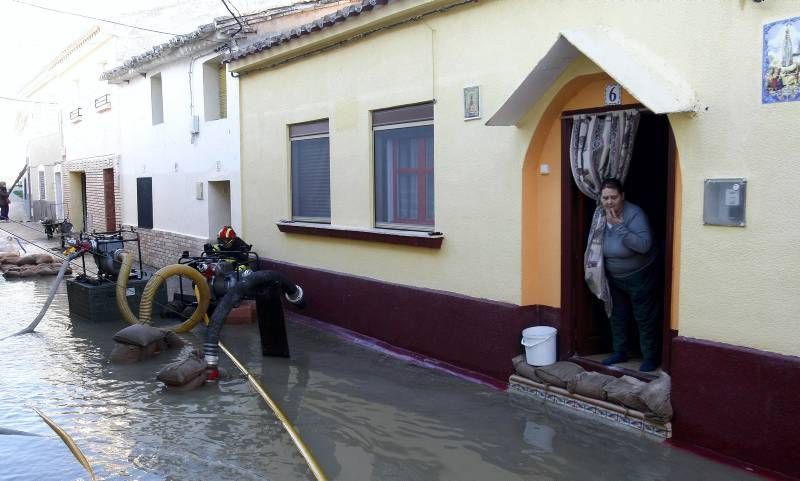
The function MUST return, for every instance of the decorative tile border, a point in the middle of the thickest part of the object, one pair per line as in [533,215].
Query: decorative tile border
[536,392]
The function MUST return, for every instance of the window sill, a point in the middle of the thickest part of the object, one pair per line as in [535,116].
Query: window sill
[404,237]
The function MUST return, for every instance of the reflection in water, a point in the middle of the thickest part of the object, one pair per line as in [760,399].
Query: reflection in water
[363,413]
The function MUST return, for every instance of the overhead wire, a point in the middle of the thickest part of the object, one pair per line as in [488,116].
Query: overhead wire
[64,12]
[105,20]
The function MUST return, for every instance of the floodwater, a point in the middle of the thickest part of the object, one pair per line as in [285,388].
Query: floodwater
[364,413]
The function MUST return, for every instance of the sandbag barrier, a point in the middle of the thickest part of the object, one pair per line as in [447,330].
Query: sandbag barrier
[651,399]
[14,266]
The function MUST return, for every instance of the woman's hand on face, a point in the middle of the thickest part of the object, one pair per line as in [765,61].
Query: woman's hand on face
[612,217]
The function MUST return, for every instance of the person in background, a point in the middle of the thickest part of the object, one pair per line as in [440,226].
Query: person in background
[229,242]
[4,201]
[630,263]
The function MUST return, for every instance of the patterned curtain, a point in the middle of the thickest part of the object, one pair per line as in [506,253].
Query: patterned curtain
[600,147]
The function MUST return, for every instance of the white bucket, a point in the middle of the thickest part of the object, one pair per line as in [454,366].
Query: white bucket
[540,345]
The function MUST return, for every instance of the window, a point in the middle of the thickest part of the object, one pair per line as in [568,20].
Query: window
[156,99]
[311,174]
[404,167]
[144,202]
[215,91]
[42,193]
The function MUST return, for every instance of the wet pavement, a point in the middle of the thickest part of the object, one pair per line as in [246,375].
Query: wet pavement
[365,413]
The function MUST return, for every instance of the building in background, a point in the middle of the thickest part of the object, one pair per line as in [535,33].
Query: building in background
[179,131]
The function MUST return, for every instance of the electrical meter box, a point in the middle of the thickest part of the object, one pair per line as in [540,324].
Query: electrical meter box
[724,202]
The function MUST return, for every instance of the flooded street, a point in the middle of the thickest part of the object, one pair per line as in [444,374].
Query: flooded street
[364,414]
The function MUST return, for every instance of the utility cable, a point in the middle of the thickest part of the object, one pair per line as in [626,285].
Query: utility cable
[95,18]
[63,12]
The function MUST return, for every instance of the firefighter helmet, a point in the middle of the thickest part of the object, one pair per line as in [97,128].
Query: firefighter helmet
[226,233]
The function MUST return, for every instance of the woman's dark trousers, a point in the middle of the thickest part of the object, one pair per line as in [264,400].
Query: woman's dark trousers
[637,292]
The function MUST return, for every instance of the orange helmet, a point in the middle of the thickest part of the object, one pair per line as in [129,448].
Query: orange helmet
[227,233]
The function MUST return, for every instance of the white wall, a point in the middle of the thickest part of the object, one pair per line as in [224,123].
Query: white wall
[96,134]
[170,154]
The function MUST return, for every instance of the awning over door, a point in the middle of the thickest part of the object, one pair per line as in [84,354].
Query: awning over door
[640,72]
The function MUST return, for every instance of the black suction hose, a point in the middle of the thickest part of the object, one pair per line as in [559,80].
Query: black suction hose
[249,286]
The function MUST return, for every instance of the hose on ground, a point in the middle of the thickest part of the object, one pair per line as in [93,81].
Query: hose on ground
[151,288]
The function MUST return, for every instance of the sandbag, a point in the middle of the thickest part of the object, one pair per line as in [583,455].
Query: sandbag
[29,259]
[28,273]
[125,354]
[193,384]
[11,274]
[558,374]
[43,258]
[589,384]
[173,340]
[656,396]
[140,335]
[181,373]
[130,353]
[625,391]
[524,369]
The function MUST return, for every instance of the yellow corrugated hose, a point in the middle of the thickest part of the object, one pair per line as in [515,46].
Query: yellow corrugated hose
[287,425]
[151,288]
[73,447]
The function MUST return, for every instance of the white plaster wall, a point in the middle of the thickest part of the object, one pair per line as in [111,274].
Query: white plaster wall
[737,286]
[168,153]
[96,134]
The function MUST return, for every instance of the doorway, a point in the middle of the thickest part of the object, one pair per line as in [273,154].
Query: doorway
[650,185]
[77,200]
[219,206]
[110,201]
[59,200]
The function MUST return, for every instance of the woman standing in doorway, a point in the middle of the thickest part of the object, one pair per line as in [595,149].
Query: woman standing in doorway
[630,262]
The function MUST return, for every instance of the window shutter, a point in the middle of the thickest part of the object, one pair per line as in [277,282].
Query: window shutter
[144,201]
[223,92]
[42,195]
[311,189]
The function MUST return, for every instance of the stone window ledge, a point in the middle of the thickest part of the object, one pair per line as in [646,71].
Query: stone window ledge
[404,237]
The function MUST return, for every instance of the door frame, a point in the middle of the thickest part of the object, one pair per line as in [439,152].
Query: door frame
[570,281]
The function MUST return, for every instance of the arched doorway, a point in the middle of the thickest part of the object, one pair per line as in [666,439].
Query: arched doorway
[650,185]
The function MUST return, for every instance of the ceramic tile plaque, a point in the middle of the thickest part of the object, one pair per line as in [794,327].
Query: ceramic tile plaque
[780,68]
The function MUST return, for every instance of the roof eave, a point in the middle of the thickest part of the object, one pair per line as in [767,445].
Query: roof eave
[315,38]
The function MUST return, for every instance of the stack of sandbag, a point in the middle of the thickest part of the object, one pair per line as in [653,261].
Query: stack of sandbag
[184,375]
[651,398]
[12,265]
[139,342]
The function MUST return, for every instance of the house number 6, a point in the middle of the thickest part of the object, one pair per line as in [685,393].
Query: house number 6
[613,94]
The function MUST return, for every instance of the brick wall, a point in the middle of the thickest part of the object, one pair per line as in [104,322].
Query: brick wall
[95,190]
[161,248]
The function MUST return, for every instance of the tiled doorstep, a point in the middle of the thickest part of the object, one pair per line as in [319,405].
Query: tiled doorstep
[633,419]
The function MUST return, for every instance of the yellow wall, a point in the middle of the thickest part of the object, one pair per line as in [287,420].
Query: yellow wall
[737,285]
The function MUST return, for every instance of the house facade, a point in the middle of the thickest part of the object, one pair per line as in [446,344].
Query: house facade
[70,136]
[179,133]
[407,162]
